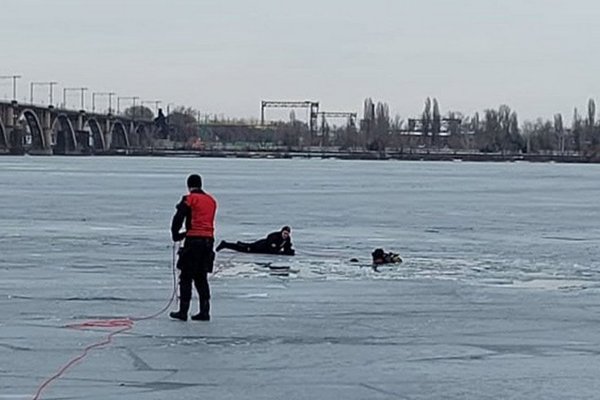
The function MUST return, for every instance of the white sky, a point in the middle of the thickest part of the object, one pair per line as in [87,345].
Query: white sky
[223,56]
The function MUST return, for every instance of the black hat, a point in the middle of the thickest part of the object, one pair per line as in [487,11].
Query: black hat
[378,253]
[194,181]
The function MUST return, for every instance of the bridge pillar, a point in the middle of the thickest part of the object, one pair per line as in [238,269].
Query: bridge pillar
[15,134]
[82,136]
[80,120]
[3,134]
[47,130]
[108,133]
[10,116]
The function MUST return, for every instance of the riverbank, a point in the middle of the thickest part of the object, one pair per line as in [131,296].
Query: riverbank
[368,155]
[421,155]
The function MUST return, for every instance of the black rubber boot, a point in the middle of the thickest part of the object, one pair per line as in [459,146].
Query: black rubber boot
[178,315]
[221,246]
[182,314]
[204,314]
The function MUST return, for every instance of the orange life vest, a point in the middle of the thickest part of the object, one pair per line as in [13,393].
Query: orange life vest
[203,208]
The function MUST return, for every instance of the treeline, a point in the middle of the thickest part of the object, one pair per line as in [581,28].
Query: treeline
[493,130]
[499,130]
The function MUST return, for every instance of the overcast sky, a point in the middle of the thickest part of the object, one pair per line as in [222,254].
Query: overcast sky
[223,56]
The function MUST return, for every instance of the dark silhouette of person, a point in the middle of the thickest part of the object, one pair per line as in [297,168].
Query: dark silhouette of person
[161,122]
[196,258]
[279,242]
[380,257]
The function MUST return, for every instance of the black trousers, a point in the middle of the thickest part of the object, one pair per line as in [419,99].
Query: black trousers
[254,247]
[196,259]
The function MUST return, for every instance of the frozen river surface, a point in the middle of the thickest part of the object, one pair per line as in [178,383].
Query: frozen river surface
[498,296]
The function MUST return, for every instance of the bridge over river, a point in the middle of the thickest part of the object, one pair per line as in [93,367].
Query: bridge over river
[35,129]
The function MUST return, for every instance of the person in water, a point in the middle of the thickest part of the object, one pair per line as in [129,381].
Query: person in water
[279,242]
[380,257]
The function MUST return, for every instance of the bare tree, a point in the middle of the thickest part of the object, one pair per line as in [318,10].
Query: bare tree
[559,132]
[368,121]
[516,142]
[426,118]
[382,126]
[577,130]
[183,124]
[436,122]
[503,138]
[539,135]
[489,138]
[138,112]
[590,124]
[456,139]
[593,134]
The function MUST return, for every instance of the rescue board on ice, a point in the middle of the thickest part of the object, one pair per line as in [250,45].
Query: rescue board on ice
[278,269]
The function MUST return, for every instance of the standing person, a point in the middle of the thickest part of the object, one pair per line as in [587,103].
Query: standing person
[196,257]
[279,242]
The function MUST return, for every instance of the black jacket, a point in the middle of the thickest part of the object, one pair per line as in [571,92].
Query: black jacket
[274,244]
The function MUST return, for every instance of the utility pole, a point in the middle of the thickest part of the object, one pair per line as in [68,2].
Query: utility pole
[14,79]
[169,108]
[51,85]
[33,84]
[83,98]
[79,89]
[109,94]
[134,98]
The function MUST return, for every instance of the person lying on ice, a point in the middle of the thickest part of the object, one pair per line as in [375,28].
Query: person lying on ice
[279,242]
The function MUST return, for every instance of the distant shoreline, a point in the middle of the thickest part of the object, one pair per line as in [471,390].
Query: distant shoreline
[347,155]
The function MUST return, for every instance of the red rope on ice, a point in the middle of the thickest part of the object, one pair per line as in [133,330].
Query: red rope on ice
[123,325]
[126,324]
